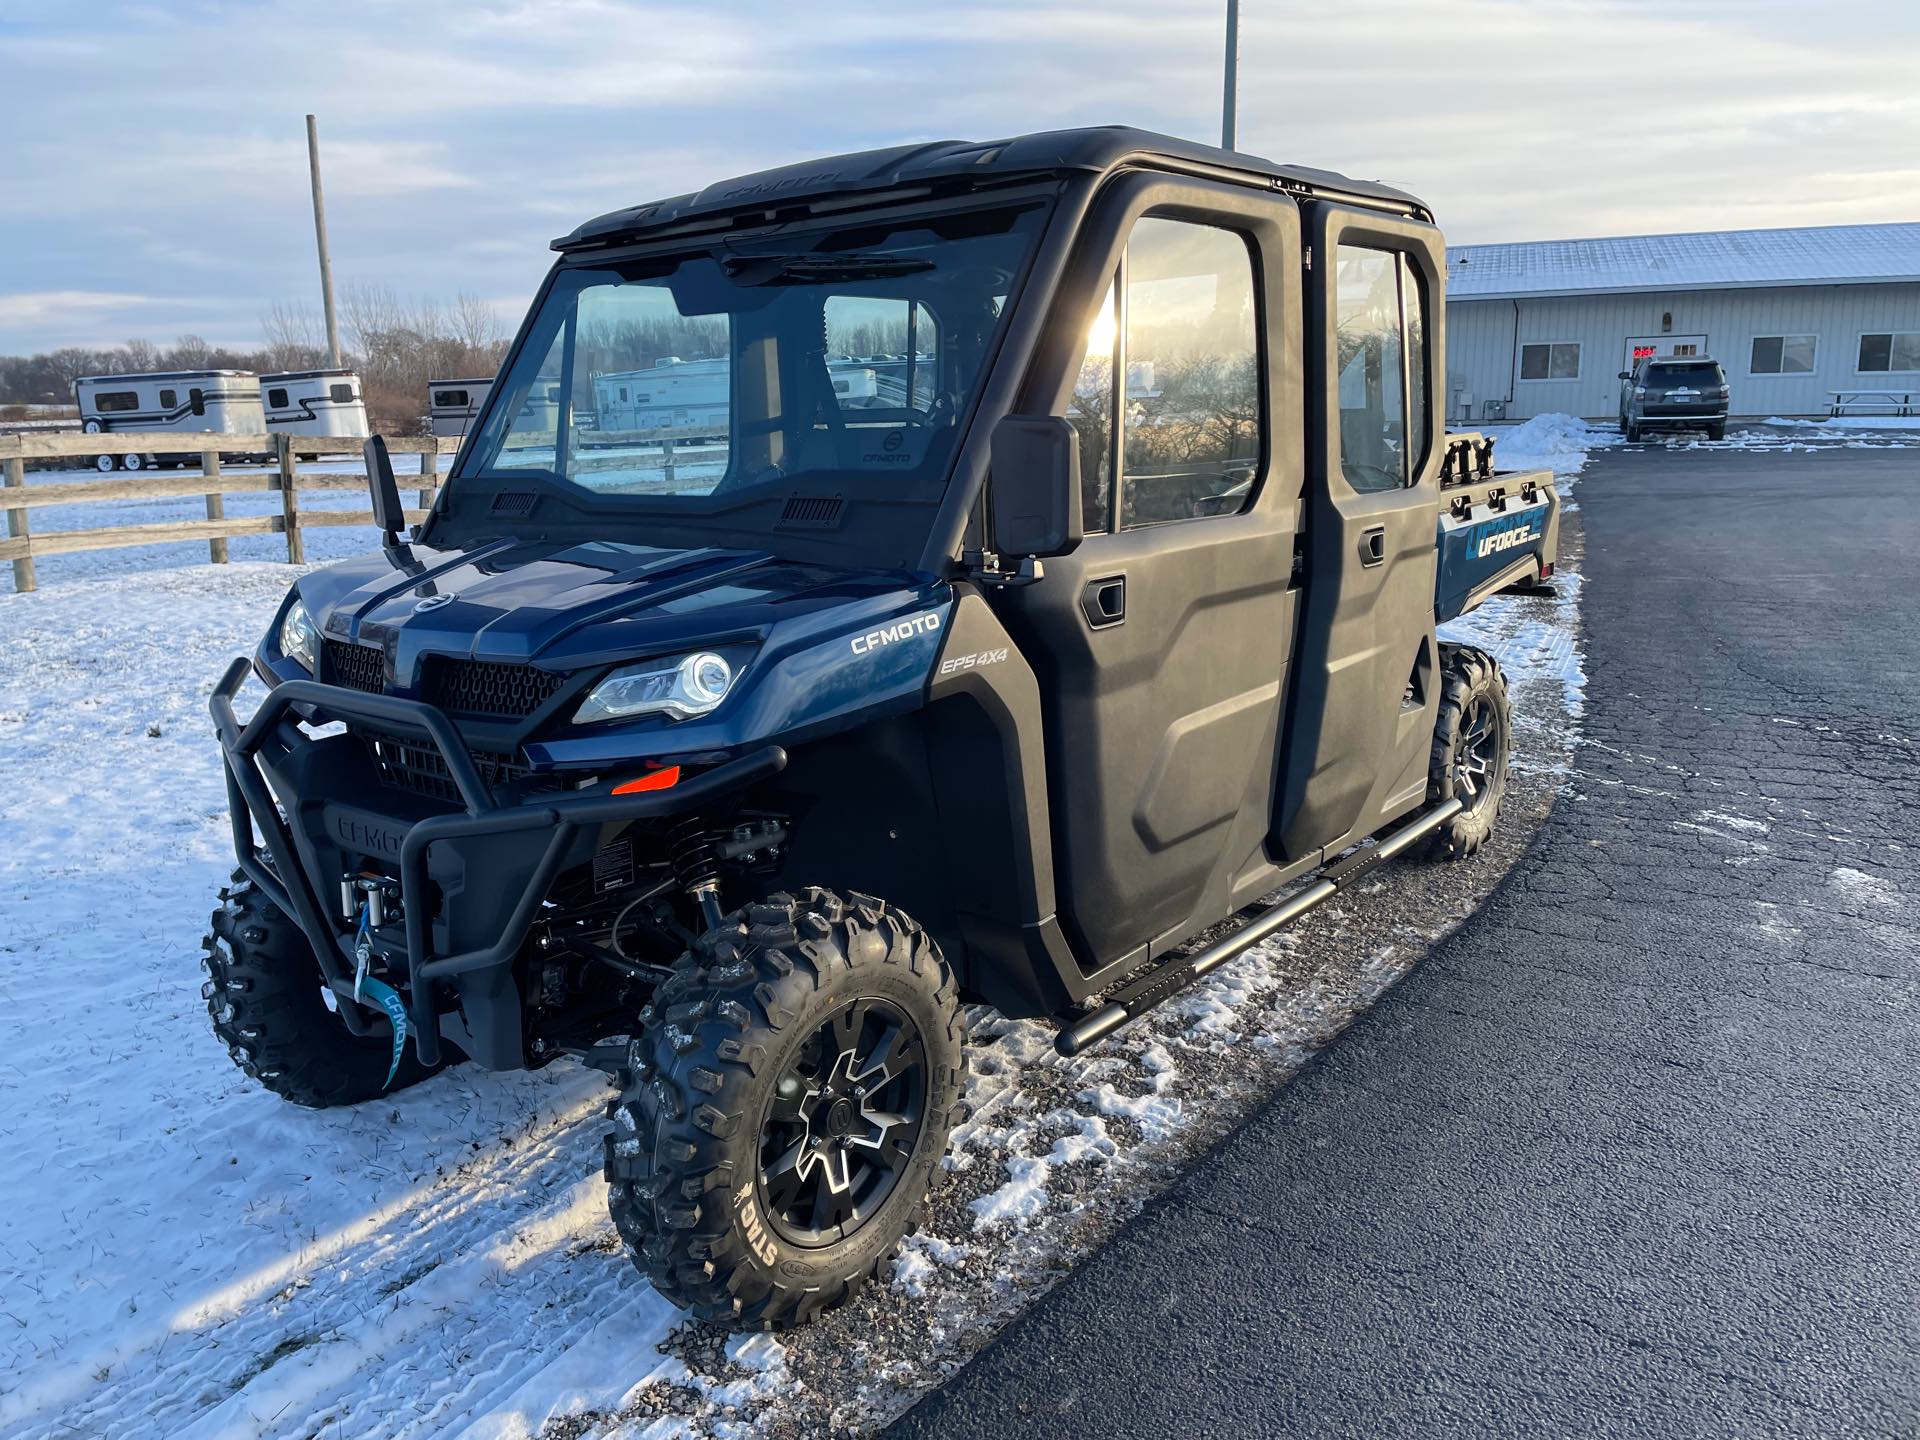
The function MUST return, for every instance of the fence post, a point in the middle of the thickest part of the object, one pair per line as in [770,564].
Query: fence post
[216,505]
[666,462]
[17,527]
[429,466]
[290,499]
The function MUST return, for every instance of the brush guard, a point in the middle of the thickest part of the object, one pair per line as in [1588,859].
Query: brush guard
[287,884]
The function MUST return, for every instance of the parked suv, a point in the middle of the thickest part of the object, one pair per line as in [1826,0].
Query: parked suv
[1674,394]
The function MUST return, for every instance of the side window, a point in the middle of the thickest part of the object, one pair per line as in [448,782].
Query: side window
[168,399]
[1192,421]
[1091,411]
[1382,376]
[277,398]
[109,401]
[1370,361]
[459,397]
[342,393]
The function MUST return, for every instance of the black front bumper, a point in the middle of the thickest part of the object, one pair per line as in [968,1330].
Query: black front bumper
[508,851]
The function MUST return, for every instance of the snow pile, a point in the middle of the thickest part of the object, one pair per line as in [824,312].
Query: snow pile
[1549,442]
[1849,422]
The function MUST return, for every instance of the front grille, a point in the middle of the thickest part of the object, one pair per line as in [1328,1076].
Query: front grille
[357,667]
[419,767]
[488,687]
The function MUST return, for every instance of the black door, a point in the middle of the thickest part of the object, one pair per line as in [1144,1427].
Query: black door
[1362,712]
[1162,644]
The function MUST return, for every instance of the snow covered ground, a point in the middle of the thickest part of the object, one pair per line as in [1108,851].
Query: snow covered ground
[184,1255]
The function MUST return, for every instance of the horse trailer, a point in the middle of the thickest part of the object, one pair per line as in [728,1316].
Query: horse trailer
[222,402]
[315,402]
[452,405]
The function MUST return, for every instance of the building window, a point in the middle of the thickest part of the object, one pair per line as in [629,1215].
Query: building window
[1886,352]
[1782,355]
[116,400]
[1557,361]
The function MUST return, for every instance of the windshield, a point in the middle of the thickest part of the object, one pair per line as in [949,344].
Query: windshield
[840,361]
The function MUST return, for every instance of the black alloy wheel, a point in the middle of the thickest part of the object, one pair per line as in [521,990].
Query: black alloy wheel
[842,1123]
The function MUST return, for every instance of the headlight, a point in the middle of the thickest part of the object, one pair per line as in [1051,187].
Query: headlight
[298,639]
[681,688]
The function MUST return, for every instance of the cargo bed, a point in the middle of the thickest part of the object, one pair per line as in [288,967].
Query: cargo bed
[1497,530]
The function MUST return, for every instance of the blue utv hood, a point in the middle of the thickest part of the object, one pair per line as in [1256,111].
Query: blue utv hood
[801,635]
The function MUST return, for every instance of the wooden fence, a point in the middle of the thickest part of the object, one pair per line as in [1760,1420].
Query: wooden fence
[284,475]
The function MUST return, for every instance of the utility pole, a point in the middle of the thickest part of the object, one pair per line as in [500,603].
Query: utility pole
[1228,95]
[320,237]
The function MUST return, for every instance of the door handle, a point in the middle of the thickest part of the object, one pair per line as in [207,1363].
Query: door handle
[1104,601]
[1373,546]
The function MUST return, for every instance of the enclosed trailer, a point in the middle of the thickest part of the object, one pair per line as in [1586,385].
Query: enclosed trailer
[225,402]
[453,405]
[315,402]
[694,395]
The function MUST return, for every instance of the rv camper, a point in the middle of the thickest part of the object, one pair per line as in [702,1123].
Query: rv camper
[453,405]
[693,396]
[224,402]
[315,402]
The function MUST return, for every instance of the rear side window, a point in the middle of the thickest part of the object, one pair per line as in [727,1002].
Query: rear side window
[459,397]
[342,394]
[277,398]
[109,401]
[1380,368]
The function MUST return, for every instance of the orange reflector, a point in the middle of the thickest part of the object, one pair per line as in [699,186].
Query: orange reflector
[664,778]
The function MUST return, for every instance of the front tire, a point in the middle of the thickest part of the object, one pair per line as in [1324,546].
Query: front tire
[263,996]
[1472,746]
[784,1111]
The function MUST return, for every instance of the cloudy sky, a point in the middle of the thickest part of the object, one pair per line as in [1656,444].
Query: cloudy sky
[153,168]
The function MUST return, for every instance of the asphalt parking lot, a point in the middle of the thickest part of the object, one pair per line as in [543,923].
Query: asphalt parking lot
[1635,1150]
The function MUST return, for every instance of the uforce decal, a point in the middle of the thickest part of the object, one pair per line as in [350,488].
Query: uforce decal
[900,630]
[974,661]
[1504,540]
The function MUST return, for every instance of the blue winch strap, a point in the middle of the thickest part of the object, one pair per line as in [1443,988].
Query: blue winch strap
[388,999]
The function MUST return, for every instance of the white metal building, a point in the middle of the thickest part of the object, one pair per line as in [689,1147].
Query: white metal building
[1792,316]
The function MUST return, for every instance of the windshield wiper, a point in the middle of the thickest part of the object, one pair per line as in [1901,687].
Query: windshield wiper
[815,269]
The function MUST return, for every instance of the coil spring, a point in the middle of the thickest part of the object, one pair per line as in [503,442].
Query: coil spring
[690,851]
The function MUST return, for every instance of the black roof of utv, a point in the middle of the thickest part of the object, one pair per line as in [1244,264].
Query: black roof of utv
[984,161]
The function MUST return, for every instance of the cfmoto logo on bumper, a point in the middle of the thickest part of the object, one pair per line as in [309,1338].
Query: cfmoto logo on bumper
[357,834]
[900,630]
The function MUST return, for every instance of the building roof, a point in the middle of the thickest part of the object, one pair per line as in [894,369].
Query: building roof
[1097,149]
[1711,260]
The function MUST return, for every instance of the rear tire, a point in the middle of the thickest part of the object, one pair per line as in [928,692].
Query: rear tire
[1472,745]
[1716,432]
[802,1066]
[1631,431]
[132,462]
[263,996]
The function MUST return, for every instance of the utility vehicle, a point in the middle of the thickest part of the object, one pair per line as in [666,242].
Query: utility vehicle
[738,778]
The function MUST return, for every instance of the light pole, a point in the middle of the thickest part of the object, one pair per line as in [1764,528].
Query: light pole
[320,238]
[1228,92]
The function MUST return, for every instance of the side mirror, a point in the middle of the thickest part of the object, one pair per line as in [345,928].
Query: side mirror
[385,491]
[1626,374]
[1036,486]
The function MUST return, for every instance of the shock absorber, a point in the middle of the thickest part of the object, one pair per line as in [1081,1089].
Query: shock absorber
[696,867]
